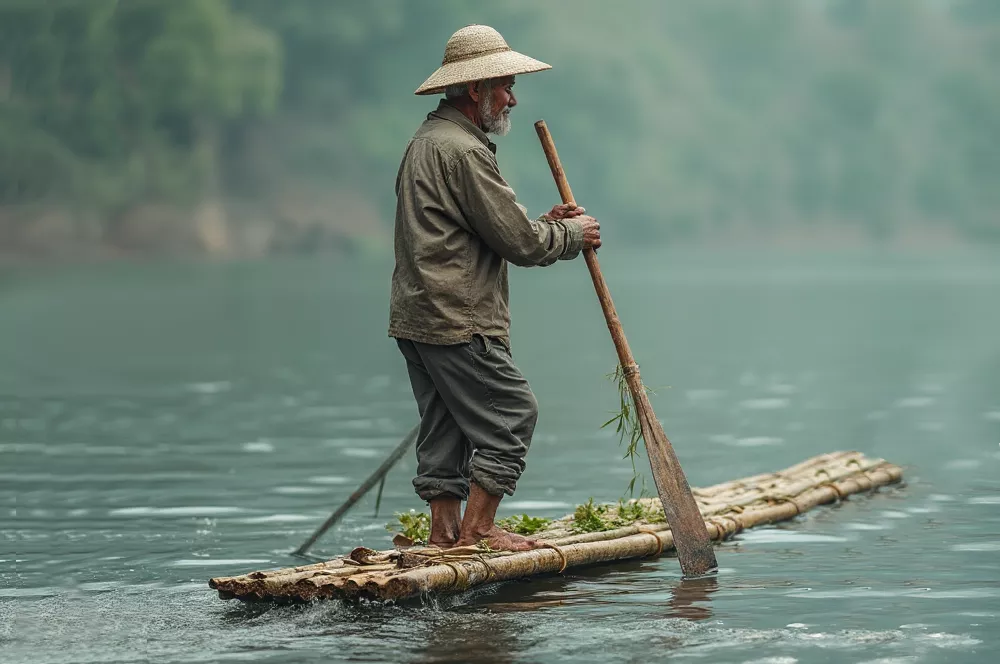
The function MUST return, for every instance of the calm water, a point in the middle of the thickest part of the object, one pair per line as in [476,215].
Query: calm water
[162,424]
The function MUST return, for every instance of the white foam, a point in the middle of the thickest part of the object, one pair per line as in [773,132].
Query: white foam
[893,514]
[985,500]
[764,404]
[360,452]
[774,536]
[277,518]
[757,441]
[29,592]
[210,562]
[329,479]
[258,446]
[298,490]
[207,510]
[977,546]
[922,593]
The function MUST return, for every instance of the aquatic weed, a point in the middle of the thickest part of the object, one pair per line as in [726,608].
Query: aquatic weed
[524,524]
[416,526]
[626,421]
[590,518]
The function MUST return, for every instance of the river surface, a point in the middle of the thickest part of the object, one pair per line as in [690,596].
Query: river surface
[164,423]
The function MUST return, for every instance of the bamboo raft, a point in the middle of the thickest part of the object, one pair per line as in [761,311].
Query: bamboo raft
[727,508]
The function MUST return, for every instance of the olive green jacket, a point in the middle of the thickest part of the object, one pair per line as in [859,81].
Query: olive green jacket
[458,224]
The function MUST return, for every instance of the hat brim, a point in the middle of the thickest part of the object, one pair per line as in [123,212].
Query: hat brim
[494,65]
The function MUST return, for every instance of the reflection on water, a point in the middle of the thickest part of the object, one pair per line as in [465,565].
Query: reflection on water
[691,598]
[447,639]
[161,425]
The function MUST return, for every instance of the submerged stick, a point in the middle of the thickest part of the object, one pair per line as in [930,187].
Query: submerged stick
[694,548]
[379,475]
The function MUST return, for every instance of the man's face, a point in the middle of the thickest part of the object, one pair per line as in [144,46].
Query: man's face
[495,102]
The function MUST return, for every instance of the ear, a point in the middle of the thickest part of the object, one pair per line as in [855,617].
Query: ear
[474,91]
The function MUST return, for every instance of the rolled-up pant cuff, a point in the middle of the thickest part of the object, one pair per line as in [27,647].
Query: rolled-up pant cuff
[493,485]
[429,488]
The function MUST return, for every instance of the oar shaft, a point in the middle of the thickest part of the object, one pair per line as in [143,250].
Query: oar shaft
[694,548]
[600,285]
[408,441]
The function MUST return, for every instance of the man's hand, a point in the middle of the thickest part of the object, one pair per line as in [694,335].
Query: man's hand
[564,211]
[591,227]
[591,231]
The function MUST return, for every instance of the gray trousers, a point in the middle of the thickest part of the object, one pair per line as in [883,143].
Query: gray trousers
[477,415]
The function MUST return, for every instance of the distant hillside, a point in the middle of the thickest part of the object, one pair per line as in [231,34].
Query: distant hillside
[246,127]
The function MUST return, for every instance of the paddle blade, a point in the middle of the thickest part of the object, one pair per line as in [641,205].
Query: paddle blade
[694,547]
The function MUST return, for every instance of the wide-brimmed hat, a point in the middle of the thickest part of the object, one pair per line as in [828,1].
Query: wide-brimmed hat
[474,53]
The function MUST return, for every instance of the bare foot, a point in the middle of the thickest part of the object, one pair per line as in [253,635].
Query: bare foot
[446,521]
[501,540]
[441,543]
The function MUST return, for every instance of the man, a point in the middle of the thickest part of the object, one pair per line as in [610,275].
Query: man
[458,224]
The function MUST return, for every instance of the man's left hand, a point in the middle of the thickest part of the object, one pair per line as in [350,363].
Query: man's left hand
[563,211]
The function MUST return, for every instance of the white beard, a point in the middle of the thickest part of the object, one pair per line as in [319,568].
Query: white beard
[499,123]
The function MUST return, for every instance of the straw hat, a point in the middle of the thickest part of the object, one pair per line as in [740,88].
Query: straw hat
[474,53]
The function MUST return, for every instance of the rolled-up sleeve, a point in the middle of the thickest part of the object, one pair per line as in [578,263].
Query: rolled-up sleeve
[490,207]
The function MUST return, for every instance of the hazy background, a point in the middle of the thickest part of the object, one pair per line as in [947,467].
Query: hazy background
[799,204]
[249,127]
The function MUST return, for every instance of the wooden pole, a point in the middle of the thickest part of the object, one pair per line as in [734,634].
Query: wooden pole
[694,547]
[379,475]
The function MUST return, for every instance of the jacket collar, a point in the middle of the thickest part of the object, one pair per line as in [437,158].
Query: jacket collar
[446,111]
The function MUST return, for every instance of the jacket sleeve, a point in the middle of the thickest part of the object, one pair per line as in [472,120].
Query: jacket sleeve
[491,209]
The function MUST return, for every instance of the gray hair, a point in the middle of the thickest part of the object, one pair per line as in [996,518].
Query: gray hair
[462,89]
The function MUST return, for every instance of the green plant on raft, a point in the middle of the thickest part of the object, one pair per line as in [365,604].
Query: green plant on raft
[635,510]
[626,422]
[524,524]
[590,518]
[631,511]
[414,525]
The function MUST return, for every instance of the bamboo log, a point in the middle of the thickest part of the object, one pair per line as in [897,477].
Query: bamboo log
[758,500]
